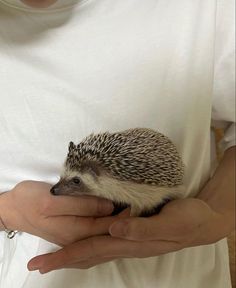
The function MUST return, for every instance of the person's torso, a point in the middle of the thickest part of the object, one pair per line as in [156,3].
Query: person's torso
[106,65]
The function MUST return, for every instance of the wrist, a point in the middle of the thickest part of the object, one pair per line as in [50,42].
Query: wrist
[212,226]
[5,211]
[224,221]
[223,226]
[219,192]
[2,225]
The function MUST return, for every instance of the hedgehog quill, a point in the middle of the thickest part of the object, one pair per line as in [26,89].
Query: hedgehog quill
[140,168]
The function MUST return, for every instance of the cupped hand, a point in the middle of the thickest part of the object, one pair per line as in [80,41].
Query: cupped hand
[30,207]
[180,224]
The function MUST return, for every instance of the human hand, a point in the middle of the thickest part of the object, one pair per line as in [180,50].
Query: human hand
[180,224]
[30,207]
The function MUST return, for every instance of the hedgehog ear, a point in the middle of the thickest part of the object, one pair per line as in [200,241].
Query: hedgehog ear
[71,147]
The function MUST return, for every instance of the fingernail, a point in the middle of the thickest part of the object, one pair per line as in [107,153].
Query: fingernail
[119,229]
[108,206]
[31,268]
[34,265]
[43,271]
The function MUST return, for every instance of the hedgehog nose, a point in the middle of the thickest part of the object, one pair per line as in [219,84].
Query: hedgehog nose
[55,190]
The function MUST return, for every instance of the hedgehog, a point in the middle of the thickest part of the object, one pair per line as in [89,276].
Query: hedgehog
[140,168]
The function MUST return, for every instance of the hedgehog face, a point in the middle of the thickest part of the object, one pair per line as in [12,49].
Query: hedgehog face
[77,182]
[70,186]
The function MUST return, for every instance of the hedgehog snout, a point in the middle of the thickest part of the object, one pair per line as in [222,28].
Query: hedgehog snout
[72,186]
[55,190]
[61,188]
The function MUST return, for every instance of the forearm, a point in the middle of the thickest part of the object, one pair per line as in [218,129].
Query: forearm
[219,192]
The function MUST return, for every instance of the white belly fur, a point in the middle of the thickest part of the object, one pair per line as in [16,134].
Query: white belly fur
[141,197]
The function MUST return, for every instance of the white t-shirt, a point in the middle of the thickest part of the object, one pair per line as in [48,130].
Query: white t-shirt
[108,65]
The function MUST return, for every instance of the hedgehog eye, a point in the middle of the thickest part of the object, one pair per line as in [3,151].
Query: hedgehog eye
[76,180]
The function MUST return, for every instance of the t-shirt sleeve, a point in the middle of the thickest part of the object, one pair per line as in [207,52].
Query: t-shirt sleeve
[223,107]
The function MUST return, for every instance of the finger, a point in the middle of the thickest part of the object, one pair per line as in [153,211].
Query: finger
[76,205]
[157,227]
[82,251]
[69,229]
[98,226]
[91,263]
[100,246]
[67,256]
